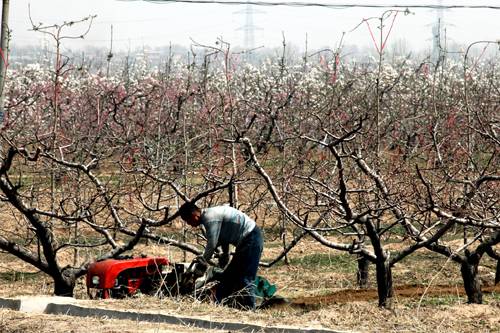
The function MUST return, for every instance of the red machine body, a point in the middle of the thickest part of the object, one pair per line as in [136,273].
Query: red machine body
[120,278]
[124,277]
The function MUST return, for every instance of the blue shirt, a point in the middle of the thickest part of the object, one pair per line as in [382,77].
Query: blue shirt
[224,225]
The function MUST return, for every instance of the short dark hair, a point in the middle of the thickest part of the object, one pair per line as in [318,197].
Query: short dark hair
[187,209]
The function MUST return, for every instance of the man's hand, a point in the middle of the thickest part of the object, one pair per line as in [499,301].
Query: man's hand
[224,256]
[200,266]
[223,259]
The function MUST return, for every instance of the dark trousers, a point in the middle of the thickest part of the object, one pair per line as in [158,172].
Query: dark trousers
[236,287]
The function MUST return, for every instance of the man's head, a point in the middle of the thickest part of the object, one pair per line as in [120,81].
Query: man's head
[190,213]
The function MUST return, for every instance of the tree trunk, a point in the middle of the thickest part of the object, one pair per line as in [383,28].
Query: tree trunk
[64,286]
[382,266]
[497,273]
[362,274]
[472,285]
[384,283]
[231,193]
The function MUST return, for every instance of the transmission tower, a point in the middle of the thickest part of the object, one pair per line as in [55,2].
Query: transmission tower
[438,33]
[249,29]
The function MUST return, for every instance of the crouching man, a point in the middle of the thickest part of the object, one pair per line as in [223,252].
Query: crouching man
[223,226]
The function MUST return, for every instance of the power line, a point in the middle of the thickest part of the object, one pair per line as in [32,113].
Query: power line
[319,4]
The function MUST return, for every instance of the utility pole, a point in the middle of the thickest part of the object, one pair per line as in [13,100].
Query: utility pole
[110,53]
[4,48]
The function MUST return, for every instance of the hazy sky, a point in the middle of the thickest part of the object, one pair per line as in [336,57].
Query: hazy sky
[138,24]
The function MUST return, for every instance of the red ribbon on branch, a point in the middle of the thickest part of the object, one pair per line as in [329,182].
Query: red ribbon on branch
[4,59]
[381,48]
[390,29]
[469,75]
[371,34]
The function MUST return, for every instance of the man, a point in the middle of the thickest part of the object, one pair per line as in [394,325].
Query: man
[223,226]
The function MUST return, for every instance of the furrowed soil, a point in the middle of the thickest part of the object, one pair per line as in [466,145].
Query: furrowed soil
[318,283]
[412,292]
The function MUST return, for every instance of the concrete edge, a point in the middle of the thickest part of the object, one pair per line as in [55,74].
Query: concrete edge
[79,311]
[12,304]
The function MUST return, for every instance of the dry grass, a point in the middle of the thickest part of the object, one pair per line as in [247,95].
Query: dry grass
[18,322]
[322,279]
[357,316]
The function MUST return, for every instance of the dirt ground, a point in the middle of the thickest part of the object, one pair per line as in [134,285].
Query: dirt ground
[319,283]
[407,291]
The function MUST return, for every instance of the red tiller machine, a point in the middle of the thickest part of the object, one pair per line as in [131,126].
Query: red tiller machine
[118,278]
[124,277]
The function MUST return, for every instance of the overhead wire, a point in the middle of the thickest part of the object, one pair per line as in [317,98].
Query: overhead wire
[321,4]
[330,5]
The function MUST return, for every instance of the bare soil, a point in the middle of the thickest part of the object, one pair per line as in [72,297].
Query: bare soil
[412,291]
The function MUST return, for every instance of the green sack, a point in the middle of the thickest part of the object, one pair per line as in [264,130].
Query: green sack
[263,288]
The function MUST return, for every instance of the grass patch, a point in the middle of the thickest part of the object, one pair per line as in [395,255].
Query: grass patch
[344,263]
[273,245]
[438,301]
[425,256]
[494,296]
[14,276]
